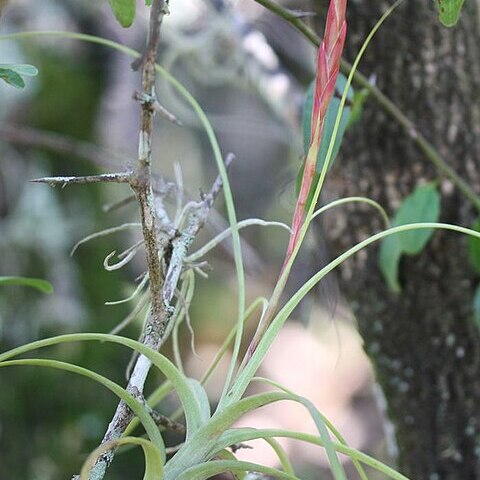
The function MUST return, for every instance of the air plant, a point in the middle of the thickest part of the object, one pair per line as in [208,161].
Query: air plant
[328,67]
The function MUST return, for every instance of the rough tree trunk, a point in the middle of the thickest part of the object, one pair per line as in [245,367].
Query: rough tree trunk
[423,343]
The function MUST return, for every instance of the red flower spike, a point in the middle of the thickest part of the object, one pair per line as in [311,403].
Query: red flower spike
[328,66]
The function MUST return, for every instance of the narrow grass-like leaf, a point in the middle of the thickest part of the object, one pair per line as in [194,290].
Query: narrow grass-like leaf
[210,469]
[474,248]
[228,455]
[137,408]
[389,259]
[193,411]
[345,200]
[202,444]
[163,390]
[153,460]
[335,465]
[37,283]
[245,376]
[201,398]
[359,99]
[287,467]
[240,435]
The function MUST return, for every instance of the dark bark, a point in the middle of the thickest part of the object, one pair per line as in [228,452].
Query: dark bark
[423,343]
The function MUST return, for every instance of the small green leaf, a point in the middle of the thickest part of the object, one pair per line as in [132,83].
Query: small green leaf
[423,205]
[474,248]
[389,258]
[42,285]
[148,3]
[449,11]
[12,74]
[476,308]
[359,99]
[124,11]
[23,69]
[12,78]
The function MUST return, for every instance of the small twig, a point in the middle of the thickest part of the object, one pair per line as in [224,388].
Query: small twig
[302,14]
[167,423]
[141,184]
[34,138]
[240,446]
[179,197]
[154,104]
[195,221]
[103,178]
[110,207]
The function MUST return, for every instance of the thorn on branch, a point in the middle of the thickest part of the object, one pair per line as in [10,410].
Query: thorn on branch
[155,105]
[103,178]
[239,446]
[301,13]
[217,185]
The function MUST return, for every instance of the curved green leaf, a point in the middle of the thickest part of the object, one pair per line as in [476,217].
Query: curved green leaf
[160,392]
[202,444]
[39,284]
[474,248]
[449,11]
[319,419]
[246,374]
[147,421]
[476,308]
[153,459]
[12,78]
[389,258]
[124,11]
[239,435]
[207,470]
[423,205]
[201,398]
[189,401]
[228,455]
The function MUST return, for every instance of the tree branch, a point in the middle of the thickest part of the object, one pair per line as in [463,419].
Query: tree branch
[34,138]
[141,183]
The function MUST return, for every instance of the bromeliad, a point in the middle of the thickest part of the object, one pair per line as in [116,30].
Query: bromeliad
[328,66]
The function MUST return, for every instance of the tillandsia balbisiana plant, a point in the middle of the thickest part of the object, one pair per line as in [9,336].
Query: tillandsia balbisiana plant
[210,437]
